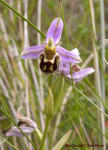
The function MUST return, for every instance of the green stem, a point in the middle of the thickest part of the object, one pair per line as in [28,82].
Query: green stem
[103,65]
[4,105]
[50,80]
[100,62]
[39,137]
[9,143]
[23,17]
[90,101]
[103,102]
[64,25]
[103,45]
[45,133]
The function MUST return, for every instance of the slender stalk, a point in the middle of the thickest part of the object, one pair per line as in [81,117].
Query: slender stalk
[64,24]
[50,80]
[10,12]
[103,102]
[40,72]
[103,65]
[77,131]
[94,39]
[22,17]
[4,105]
[45,134]
[20,24]
[13,62]
[26,44]
[5,36]
[9,143]
[3,141]
[96,61]
[5,90]
[39,137]
[80,113]
[90,101]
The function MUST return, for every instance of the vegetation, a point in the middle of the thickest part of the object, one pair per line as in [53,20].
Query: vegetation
[83,105]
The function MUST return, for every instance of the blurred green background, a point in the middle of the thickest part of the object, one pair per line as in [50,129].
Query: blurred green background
[13,72]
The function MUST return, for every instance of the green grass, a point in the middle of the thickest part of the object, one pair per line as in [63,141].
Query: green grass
[82,105]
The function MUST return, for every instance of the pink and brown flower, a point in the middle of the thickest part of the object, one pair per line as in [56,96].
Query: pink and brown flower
[50,52]
[26,125]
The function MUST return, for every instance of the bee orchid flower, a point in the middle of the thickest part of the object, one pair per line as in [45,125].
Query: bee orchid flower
[26,125]
[50,52]
[77,73]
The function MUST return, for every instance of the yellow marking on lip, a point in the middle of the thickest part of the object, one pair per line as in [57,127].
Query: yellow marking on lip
[44,68]
[51,68]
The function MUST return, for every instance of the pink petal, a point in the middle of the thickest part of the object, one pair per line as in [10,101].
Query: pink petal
[64,67]
[77,76]
[55,30]
[26,120]
[69,56]
[32,52]
[14,131]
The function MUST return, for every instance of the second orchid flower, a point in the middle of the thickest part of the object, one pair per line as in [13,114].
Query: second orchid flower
[26,125]
[77,73]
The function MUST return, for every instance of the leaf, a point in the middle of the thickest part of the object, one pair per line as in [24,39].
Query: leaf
[63,140]
[57,91]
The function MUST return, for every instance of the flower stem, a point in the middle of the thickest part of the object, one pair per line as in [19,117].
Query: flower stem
[39,137]
[50,80]
[64,25]
[45,133]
